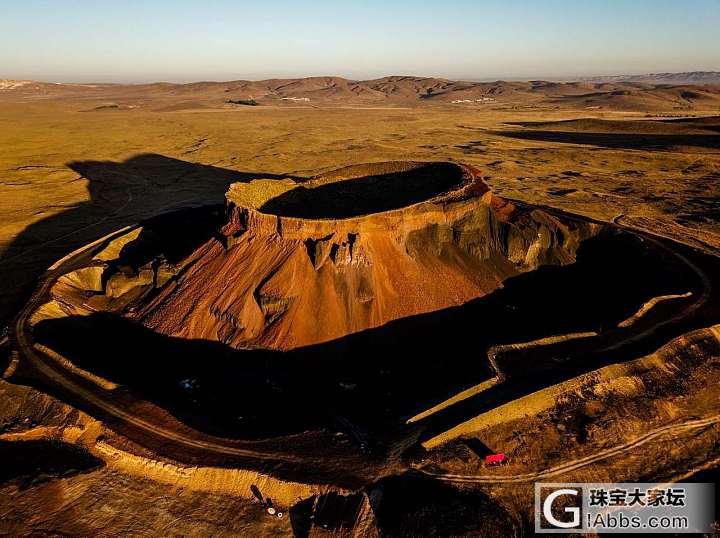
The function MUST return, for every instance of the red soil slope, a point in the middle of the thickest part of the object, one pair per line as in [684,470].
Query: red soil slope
[275,279]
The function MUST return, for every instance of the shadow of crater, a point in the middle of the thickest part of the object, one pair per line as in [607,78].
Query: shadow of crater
[120,193]
[372,381]
[366,195]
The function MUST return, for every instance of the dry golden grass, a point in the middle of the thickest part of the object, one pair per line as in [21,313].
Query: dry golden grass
[70,173]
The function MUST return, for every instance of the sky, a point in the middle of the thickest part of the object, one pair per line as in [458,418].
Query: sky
[182,40]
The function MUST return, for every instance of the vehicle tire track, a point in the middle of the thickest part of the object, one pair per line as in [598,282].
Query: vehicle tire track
[675,430]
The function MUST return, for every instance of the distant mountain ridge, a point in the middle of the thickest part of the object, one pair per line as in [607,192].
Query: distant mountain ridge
[666,92]
[686,77]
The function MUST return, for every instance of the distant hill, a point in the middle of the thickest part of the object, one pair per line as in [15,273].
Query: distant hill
[649,93]
[688,77]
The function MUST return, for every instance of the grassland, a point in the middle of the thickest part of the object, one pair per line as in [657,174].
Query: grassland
[75,167]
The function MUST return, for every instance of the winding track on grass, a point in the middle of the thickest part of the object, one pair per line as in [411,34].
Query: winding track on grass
[493,352]
[22,336]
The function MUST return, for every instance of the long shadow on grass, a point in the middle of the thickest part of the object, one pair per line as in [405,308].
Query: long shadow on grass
[648,142]
[119,193]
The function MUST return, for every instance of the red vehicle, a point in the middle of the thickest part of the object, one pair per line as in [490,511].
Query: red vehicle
[496,459]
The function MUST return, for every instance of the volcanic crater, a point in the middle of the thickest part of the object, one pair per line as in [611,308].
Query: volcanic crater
[303,263]
[350,301]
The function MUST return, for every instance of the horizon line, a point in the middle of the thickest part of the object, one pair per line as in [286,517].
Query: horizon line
[489,79]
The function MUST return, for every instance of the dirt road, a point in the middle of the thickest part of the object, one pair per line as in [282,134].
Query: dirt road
[21,336]
[669,430]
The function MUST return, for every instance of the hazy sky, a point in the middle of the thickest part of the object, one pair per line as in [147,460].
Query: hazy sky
[182,40]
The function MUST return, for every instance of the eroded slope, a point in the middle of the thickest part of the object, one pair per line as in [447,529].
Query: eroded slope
[279,281]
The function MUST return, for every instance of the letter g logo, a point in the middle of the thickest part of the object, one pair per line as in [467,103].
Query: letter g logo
[575,511]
